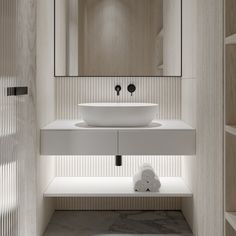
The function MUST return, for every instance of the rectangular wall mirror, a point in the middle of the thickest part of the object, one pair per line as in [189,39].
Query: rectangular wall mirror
[118,38]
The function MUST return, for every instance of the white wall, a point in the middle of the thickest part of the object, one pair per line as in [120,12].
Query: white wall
[202,107]
[45,106]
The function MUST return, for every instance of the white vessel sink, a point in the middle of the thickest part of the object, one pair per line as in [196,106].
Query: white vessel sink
[118,114]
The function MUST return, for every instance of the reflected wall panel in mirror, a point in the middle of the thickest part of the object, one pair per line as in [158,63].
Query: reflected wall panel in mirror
[118,38]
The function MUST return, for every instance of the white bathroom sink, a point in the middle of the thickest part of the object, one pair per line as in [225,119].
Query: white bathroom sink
[118,114]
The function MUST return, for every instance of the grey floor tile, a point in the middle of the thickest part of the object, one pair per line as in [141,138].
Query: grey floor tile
[118,223]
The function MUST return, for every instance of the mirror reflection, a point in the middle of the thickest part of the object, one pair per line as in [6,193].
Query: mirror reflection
[117,38]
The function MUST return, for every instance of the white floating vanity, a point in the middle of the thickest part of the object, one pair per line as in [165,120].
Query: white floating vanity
[74,137]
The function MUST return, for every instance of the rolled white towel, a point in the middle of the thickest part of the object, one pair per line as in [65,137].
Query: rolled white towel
[154,185]
[140,186]
[146,172]
[145,180]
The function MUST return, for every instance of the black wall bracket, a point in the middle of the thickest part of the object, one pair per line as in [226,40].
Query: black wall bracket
[17,91]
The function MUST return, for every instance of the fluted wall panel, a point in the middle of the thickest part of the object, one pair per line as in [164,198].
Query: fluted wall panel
[122,203]
[72,91]
[9,199]
[79,166]
[17,119]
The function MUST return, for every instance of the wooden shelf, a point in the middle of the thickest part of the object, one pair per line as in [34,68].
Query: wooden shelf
[230,17]
[230,174]
[112,187]
[231,218]
[230,117]
[230,39]
[230,84]
[231,129]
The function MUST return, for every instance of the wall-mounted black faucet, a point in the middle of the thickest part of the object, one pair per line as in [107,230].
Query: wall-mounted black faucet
[118,89]
[131,88]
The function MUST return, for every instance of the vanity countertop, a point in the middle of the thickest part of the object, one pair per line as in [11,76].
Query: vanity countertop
[81,125]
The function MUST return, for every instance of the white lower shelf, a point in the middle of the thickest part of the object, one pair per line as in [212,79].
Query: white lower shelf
[231,218]
[112,187]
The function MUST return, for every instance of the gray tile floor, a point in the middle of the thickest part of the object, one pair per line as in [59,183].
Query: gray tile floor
[118,223]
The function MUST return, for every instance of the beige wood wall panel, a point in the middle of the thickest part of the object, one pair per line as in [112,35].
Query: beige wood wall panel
[60,37]
[209,191]
[27,143]
[230,83]
[118,37]
[205,171]
[171,37]
[73,37]
[72,91]
[156,54]
[230,17]
[230,174]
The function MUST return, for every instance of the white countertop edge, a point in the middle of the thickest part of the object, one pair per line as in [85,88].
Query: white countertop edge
[70,125]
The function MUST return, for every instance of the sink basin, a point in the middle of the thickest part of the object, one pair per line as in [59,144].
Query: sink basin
[118,114]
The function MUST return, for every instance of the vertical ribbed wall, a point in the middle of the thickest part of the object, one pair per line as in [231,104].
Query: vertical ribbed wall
[121,203]
[9,181]
[72,91]
[78,166]
[17,115]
